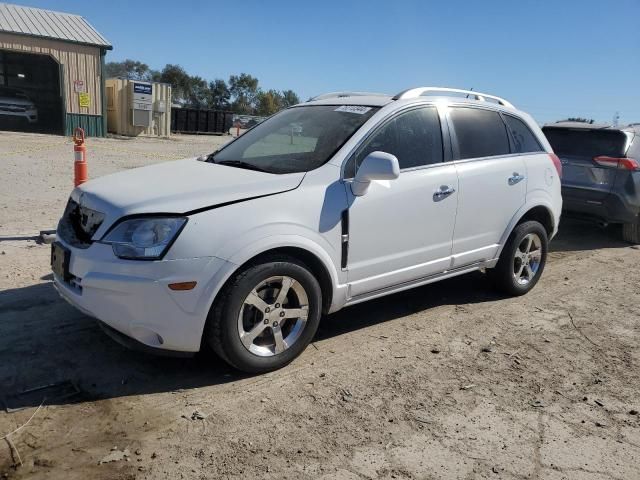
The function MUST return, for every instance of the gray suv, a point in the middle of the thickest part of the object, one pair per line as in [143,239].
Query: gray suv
[601,172]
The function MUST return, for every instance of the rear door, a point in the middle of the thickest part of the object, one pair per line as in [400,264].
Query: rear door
[493,184]
[582,176]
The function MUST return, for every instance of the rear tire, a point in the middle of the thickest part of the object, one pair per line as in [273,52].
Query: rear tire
[631,232]
[265,315]
[522,259]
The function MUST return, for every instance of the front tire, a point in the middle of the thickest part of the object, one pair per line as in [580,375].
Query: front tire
[522,259]
[266,315]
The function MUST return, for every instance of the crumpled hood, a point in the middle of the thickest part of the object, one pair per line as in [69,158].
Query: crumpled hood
[177,187]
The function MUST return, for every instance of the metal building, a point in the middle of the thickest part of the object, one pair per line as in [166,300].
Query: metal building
[137,108]
[51,78]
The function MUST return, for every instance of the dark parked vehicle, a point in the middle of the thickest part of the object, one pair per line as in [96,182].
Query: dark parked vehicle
[601,172]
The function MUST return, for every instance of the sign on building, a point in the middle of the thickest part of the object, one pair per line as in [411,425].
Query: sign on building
[79,86]
[143,88]
[84,99]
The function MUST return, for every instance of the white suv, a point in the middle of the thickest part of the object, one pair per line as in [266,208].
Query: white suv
[339,200]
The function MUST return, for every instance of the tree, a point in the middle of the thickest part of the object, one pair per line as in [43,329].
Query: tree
[244,90]
[198,93]
[241,94]
[180,82]
[131,69]
[579,119]
[289,98]
[269,102]
[219,94]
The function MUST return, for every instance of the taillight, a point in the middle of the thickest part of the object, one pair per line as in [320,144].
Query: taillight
[556,163]
[614,162]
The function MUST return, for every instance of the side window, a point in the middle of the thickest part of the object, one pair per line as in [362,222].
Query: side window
[525,140]
[480,133]
[414,137]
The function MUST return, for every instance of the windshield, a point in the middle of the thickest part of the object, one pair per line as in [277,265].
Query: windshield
[298,139]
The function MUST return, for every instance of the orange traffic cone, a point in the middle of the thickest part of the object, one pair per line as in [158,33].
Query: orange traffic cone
[81,172]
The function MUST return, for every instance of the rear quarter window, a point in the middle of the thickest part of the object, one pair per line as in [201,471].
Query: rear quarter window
[524,141]
[480,133]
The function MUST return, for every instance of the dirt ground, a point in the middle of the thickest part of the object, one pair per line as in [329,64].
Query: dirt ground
[447,381]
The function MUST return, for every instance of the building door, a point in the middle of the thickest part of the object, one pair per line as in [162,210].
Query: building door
[30,93]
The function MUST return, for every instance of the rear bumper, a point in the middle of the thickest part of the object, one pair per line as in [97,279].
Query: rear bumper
[610,208]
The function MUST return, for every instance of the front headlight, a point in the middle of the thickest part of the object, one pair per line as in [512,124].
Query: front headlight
[144,238]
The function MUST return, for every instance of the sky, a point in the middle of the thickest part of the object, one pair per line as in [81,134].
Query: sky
[551,58]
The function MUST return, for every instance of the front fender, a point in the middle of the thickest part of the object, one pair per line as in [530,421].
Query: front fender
[318,248]
[241,254]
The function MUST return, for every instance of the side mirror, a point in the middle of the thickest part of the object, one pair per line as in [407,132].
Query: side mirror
[375,166]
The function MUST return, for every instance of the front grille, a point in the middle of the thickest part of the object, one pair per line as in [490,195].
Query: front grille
[8,107]
[78,224]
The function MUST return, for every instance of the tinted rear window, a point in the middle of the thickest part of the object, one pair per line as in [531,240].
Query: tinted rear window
[480,133]
[586,143]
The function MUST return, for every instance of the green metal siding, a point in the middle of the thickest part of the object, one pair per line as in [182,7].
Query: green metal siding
[93,125]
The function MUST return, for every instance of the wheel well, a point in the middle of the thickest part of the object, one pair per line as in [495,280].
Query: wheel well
[539,214]
[311,261]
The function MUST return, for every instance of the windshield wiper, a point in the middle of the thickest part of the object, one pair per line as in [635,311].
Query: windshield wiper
[241,164]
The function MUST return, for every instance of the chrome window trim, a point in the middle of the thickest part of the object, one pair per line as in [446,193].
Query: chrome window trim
[490,157]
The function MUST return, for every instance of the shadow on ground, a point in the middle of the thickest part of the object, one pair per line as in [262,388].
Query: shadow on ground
[45,341]
[579,235]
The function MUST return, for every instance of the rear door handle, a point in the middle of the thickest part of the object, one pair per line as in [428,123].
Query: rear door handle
[515,178]
[444,192]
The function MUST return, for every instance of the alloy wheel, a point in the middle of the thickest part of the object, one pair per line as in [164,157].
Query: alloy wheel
[273,316]
[527,259]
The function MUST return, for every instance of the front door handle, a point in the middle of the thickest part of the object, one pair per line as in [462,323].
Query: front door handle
[515,178]
[444,192]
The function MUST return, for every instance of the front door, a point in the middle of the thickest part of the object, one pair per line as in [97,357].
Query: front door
[401,230]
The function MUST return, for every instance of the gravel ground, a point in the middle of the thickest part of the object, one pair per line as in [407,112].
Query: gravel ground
[447,381]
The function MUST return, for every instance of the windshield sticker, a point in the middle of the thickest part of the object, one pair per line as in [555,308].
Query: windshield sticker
[353,109]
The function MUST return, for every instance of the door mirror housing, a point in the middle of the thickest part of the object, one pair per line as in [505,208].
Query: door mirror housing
[375,166]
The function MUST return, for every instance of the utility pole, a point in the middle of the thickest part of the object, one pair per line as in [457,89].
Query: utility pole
[616,119]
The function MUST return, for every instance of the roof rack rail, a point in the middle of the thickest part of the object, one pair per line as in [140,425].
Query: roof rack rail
[417,92]
[324,96]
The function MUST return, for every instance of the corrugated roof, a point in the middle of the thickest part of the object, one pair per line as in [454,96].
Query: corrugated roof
[48,24]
